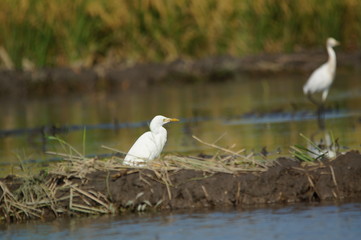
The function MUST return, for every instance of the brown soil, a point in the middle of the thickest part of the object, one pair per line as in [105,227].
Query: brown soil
[288,181]
[120,77]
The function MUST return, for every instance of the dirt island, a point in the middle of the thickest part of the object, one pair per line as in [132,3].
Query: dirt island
[91,189]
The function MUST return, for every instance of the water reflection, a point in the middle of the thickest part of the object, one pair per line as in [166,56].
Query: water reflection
[251,112]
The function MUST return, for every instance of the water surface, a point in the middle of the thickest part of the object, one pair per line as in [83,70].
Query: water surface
[249,112]
[301,221]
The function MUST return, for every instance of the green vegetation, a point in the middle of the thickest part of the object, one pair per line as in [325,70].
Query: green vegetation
[302,153]
[67,32]
[326,148]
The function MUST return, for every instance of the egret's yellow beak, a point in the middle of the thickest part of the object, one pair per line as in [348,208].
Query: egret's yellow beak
[171,120]
[337,43]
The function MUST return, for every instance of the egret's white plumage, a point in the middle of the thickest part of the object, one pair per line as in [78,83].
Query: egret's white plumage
[149,145]
[322,78]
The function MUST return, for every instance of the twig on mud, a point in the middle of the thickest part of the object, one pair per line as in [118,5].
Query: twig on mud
[71,198]
[91,195]
[164,177]
[108,186]
[333,176]
[311,181]
[205,192]
[238,194]
[141,178]
[86,209]
[334,180]
[123,172]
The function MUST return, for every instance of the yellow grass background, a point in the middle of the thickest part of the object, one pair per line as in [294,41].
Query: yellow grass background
[52,32]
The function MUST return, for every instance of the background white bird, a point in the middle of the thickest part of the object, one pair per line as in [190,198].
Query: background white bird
[322,78]
[149,145]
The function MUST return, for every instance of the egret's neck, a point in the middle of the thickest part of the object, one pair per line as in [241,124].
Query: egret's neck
[157,129]
[159,134]
[331,59]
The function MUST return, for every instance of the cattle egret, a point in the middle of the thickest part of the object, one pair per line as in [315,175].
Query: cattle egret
[149,145]
[322,78]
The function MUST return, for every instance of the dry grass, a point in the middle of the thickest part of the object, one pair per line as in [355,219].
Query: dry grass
[33,197]
[225,161]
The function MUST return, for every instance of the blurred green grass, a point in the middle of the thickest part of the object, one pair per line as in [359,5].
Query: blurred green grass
[58,33]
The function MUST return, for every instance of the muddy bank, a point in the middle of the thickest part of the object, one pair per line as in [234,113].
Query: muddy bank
[287,181]
[120,77]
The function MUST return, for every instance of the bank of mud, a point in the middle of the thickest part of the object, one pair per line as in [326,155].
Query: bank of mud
[128,190]
[122,76]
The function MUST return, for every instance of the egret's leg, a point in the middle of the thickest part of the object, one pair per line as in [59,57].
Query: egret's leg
[319,112]
[314,101]
[321,117]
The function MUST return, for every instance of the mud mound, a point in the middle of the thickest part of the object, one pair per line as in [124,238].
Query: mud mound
[137,190]
[288,181]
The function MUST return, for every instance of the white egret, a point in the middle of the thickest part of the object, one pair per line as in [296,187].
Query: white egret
[322,78]
[149,145]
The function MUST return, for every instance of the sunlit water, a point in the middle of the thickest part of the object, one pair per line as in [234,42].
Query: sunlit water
[292,222]
[250,112]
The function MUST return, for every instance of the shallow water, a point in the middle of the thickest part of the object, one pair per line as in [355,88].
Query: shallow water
[299,221]
[251,112]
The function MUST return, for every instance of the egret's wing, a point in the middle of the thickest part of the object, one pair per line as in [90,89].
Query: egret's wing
[142,148]
[319,80]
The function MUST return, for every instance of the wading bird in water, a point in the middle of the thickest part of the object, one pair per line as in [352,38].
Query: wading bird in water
[322,78]
[149,145]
